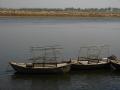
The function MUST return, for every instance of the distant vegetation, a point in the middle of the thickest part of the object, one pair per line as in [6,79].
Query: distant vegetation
[87,12]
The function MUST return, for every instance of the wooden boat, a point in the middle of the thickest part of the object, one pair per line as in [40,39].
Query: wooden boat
[88,65]
[40,67]
[115,65]
[114,62]
[92,60]
[48,64]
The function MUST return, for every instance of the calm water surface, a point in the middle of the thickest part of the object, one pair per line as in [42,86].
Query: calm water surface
[18,34]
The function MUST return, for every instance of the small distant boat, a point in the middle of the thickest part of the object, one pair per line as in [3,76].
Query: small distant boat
[48,64]
[91,60]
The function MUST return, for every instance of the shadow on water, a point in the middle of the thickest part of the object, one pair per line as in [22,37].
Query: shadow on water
[96,80]
[78,80]
[92,72]
[75,80]
[65,76]
[43,81]
[16,76]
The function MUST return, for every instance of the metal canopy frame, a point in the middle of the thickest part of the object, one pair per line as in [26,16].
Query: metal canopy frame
[46,53]
[93,52]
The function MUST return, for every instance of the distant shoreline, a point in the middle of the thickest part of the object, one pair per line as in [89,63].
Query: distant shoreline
[67,17]
[57,14]
[61,15]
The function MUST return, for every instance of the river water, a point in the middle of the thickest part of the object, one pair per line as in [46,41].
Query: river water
[17,35]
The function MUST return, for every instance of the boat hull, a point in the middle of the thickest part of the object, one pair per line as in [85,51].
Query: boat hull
[115,65]
[19,69]
[90,66]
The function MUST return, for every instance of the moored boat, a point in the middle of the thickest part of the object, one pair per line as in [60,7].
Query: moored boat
[115,65]
[86,65]
[91,61]
[114,62]
[40,67]
[49,63]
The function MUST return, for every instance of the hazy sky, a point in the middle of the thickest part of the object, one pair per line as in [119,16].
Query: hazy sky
[59,3]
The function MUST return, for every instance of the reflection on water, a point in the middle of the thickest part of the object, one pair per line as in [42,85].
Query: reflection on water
[46,82]
[83,80]
[37,82]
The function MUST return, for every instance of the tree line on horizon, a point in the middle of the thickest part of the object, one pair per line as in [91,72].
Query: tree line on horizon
[109,9]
